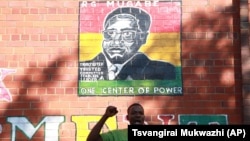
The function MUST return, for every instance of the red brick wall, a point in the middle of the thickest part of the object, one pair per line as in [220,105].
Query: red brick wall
[39,40]
[245,55]
[211,57]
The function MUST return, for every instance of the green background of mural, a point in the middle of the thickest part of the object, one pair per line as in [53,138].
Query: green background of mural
[203,119]
[138,86]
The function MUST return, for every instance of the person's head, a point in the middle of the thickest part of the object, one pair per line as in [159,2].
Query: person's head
[135,114]
[125,30]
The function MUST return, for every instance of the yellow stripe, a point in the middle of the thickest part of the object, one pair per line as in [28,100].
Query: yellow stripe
[90,45]
[159,46]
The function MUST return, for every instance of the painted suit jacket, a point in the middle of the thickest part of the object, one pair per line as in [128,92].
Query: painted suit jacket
[140,67]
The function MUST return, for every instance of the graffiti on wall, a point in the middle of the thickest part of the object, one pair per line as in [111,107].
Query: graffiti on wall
[5,94]
[51,124]
[129,48]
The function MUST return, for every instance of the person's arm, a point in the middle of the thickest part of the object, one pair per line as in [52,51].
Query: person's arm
[94,134]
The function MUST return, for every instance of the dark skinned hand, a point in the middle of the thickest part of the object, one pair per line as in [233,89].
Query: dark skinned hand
[111,111]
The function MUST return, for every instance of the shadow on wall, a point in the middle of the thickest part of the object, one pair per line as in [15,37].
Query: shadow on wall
[210,66]
[35,96]
[209,49]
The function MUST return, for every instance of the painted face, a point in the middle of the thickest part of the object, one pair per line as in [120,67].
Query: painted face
[136,115]
[121,38]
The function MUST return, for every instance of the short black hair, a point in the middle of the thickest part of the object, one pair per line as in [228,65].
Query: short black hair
[141,15]
[134,104]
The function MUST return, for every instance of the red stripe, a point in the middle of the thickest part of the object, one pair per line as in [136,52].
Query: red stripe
[166,17]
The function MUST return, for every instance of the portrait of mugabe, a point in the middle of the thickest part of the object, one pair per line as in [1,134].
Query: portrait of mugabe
[125,30]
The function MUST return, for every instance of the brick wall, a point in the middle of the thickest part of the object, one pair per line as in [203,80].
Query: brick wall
[211,58]
[39,62]
[245,58]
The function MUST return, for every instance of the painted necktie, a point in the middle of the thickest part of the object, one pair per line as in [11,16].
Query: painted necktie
[112,71]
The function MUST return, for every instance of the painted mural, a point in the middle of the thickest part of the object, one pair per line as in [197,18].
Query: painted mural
[129,48]
[51,124]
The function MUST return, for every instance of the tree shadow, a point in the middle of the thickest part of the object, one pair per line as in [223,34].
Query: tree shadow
[209,52]
[36,95]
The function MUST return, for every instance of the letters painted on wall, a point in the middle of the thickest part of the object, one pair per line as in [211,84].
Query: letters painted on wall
[129,48]
[51,124]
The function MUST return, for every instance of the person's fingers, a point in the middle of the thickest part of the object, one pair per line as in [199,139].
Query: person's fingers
[111,111]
